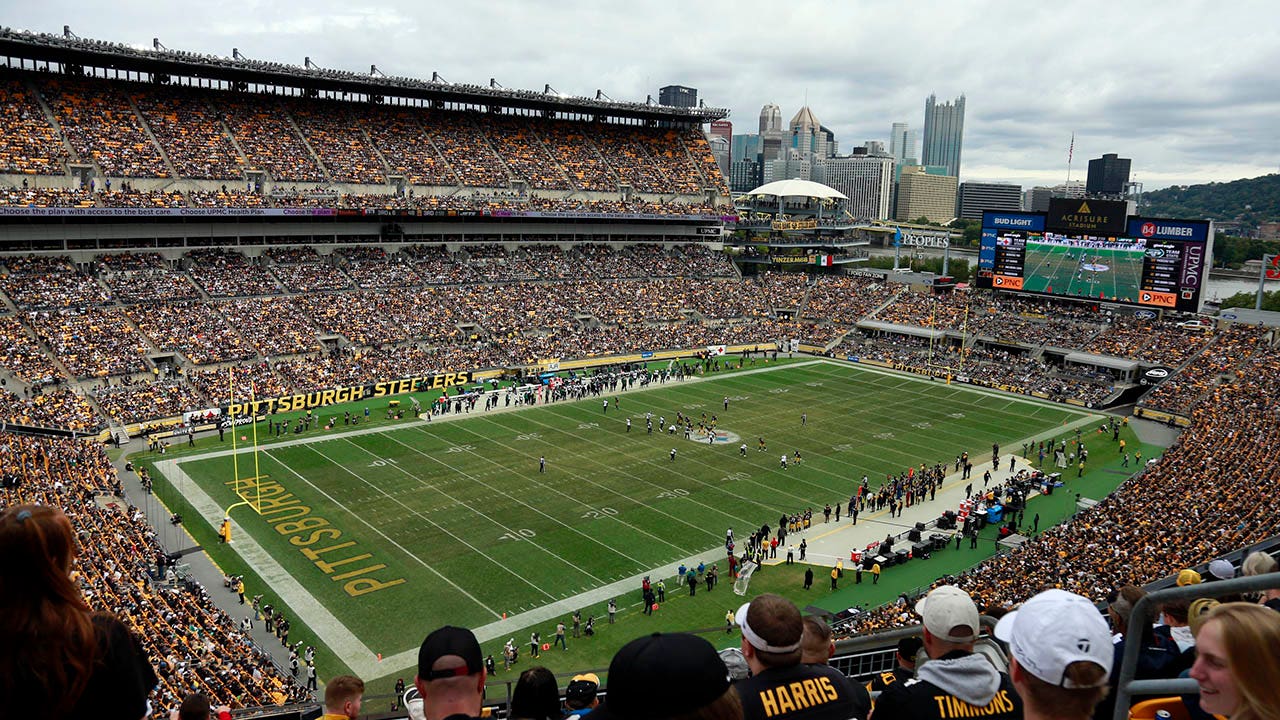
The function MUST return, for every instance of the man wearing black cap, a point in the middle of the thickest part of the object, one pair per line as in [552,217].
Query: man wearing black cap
[666,675]
[908,648]
[781,686]
[450,675]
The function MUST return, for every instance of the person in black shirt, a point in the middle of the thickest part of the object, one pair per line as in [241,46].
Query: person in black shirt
[954,683]
[816,648]
[781,685]
[906,656]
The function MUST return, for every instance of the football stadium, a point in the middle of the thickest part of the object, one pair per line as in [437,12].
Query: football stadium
[307,364]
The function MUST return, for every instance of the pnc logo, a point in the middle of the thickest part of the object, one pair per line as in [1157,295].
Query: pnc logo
[1148,229]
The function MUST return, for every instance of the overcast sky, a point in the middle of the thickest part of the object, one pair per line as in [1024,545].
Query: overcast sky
[1189,90]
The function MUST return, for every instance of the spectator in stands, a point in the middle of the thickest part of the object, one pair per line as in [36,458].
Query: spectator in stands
[60,660]
[1060,655]
[955,682]
[1260,563]
[672,675]
[905,656]
[816,648]
[1237,666]
[536,696]
[196,707]
[772,631]
[451,674]
[580,696]
[342,697]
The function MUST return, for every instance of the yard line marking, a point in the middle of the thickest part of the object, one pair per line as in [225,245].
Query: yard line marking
[367,524]
[460,503]
[564,494]
[552,518]
[331,631]
[432,522]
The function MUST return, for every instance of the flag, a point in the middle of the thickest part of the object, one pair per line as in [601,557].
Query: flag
[897,236]
[1271,267]
[1072,149]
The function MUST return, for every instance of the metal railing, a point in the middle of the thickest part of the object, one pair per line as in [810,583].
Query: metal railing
[1145,610]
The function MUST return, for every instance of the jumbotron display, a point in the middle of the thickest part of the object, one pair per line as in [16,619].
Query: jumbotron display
[1150,262]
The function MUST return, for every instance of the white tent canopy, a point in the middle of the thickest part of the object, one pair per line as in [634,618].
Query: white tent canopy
[798,188]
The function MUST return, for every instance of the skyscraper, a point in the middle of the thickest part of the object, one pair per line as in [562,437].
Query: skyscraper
[1107,176]
[943,133]
[902,144]
[770,119]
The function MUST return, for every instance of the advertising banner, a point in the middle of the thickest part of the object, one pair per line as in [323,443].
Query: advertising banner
[348,393]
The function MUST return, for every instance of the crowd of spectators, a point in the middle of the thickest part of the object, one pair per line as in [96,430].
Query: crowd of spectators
[131,129]
[267,138]
[22,355]
[333,130]
[407,147]
[129,401]
[56,406]
[783,291]
[226,273]
[1215,478]
[91,341]
[845,299]
[143,277]
[44,282]
[29,144]
[193,645]
[373,268]
[195,329]
[188,130]
[1231,349]
[34,197]
[98,120]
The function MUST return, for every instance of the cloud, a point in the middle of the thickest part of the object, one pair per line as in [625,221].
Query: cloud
[1184,87]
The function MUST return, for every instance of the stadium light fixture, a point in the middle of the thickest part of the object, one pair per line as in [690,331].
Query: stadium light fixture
[157,45]
[236,55]
[375,72]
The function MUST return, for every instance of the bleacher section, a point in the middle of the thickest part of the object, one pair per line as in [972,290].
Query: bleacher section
[187,147]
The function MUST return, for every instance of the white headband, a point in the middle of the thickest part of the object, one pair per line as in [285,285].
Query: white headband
[758,642]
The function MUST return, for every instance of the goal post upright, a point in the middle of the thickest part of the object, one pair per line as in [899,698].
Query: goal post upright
[256,503]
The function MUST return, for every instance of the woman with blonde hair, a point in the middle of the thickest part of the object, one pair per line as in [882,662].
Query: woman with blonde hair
[1238,662]
[58,659]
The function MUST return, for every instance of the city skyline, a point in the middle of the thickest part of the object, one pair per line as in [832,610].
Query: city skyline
[1180,87]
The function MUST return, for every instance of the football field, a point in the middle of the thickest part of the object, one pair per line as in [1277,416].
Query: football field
[372,537]
[1109,273]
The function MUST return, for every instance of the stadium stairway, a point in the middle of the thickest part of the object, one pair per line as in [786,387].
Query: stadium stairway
[226,131]
[376,151]
[142,122]
[49,115]
[307,144]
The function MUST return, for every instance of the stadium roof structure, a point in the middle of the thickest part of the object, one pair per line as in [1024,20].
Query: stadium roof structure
[797,188]
[69,50]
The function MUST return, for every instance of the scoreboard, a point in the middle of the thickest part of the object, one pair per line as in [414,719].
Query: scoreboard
[1146,262]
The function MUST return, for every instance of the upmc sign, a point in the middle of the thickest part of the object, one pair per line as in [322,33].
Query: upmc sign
[1087,217]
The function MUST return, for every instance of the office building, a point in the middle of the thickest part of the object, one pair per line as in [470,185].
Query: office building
[921,195]
[903,144]
[867,180]
[678,96]
[1036,199]
[1108,176]
[975,197]
[943,134]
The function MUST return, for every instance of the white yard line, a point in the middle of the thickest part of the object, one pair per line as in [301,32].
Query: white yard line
[354,653]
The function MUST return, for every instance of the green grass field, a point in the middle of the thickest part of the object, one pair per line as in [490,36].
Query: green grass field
[451,522]
[1048,269]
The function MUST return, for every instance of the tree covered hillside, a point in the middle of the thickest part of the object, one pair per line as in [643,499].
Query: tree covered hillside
[1249,201]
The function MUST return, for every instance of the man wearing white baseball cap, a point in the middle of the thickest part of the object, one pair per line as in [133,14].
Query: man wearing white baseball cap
[781,686]
[955,682]
[1061,653]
